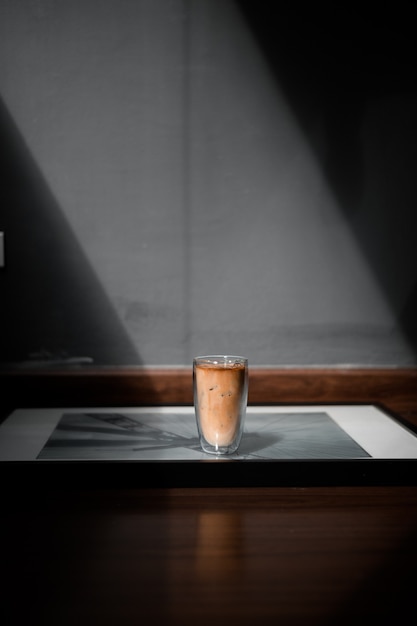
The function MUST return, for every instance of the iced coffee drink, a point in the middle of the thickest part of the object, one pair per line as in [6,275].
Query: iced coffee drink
[220,398]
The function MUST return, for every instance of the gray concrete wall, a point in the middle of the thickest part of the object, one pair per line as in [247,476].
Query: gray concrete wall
[185,177]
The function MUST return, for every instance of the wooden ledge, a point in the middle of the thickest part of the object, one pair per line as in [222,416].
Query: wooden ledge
[395,389]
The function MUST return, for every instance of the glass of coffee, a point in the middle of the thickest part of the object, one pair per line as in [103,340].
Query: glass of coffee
[220,399]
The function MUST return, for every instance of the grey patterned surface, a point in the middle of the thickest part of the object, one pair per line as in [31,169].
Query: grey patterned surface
[153,436]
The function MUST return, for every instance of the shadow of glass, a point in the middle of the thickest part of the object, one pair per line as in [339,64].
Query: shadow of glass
[53,308]
[255,442]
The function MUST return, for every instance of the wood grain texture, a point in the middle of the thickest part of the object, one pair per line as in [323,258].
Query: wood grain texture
[290,556]
[394,389]
[270,556]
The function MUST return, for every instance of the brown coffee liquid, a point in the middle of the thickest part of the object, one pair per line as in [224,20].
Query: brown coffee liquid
[220,394]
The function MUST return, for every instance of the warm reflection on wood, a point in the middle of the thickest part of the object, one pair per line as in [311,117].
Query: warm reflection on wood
[219,549]
[314,557]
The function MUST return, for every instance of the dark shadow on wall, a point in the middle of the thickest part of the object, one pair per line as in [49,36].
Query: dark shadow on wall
[331,65]
[53,308]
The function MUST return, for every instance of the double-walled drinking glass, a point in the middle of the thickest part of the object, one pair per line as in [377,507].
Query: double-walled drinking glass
[220,399]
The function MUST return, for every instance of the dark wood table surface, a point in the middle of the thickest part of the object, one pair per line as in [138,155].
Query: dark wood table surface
[274,555]
[336,555]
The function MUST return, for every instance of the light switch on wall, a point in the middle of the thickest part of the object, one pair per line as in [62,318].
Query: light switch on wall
[2,257]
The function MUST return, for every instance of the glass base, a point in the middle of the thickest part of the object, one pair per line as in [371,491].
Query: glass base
[219,450]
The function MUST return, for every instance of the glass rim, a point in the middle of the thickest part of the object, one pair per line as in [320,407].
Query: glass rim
[231,357]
